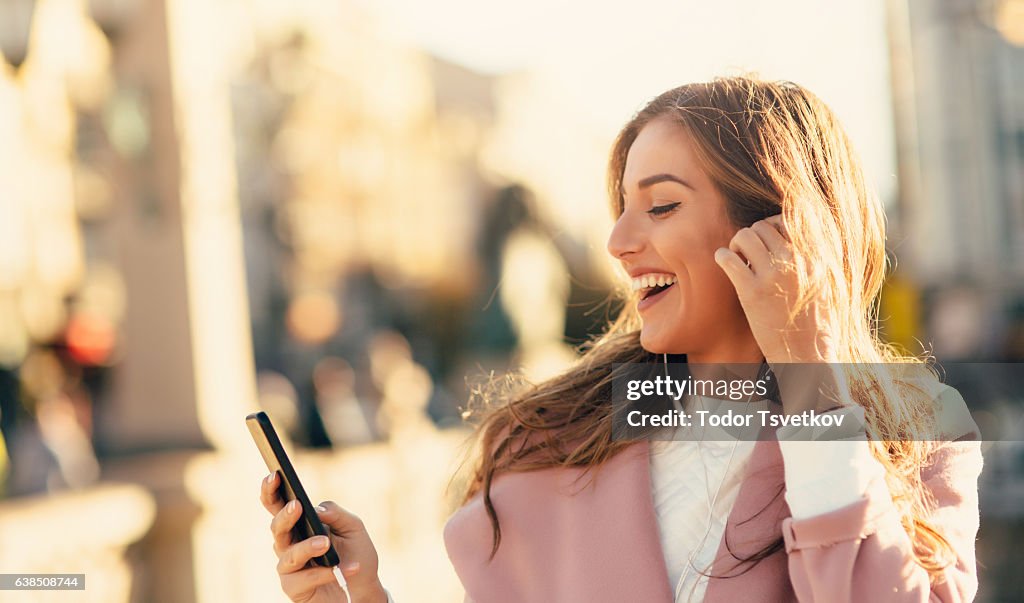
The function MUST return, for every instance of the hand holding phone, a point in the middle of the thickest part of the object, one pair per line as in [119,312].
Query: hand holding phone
[309,524]
[301,564]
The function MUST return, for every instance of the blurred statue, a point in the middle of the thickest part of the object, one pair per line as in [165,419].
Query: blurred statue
[534,293]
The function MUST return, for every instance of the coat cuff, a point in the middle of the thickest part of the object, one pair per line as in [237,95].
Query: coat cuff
[852,522]
[825,472]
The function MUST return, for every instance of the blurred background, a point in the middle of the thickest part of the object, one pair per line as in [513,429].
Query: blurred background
[347,212]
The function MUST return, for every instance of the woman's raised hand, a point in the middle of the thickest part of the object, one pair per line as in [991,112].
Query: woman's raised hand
[306,583]
[802,353]
[767,287]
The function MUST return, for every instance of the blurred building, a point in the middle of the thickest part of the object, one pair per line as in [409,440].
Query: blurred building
[198,221]
[958,227]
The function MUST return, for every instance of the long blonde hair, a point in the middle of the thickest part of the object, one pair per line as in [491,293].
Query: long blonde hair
[771,148]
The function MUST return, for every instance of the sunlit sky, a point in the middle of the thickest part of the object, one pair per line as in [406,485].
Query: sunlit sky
[590,65]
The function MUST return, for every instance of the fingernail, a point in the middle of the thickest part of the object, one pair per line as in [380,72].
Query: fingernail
[321,508]
[293,506]
[351,566]
[270,477]
[319,542]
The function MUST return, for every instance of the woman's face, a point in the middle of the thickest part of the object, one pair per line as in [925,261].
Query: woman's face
[674,220]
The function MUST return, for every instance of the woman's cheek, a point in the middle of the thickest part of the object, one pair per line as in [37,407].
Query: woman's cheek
[716,290]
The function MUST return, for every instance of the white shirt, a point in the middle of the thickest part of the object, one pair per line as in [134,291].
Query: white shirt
[695,482]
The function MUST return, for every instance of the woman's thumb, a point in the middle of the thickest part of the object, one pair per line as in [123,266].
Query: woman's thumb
[338,519]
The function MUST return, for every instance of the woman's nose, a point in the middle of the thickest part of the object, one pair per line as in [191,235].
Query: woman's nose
[624,239]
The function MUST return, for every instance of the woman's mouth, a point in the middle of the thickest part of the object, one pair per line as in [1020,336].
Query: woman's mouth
[658,290]
[652,286]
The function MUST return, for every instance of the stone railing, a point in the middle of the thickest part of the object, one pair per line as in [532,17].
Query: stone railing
[90,531]
[210,540]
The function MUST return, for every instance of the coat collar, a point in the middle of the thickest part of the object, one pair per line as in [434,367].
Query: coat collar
[594,536]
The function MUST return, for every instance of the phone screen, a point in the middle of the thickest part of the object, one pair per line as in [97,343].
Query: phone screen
[274,456]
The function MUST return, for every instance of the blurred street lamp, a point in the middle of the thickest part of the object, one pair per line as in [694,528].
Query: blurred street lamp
[15,26]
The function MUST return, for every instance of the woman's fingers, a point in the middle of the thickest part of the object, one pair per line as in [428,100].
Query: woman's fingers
[268,494]
[282,524]
[296,556]
[755,251]
[772,238]
[340,521]
[299,586]
[747,243]
[735,268]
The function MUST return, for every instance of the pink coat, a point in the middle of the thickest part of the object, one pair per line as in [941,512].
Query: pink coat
[594,541]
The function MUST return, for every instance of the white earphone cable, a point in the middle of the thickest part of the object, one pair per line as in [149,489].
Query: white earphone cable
[342,583]
[711,512]
[711,503]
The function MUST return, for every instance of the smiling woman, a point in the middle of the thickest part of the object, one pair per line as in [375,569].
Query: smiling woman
[672,220]
[749,236]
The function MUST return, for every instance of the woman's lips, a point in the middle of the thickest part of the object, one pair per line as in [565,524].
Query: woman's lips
[653,298]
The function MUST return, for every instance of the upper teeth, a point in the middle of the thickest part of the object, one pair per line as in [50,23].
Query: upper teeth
[652,280]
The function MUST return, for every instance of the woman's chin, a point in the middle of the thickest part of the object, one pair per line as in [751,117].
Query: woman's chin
[653,341]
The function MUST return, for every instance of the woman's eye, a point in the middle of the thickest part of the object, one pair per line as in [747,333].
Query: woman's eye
[661,210]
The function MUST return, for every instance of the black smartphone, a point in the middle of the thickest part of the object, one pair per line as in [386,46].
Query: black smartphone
[290,488]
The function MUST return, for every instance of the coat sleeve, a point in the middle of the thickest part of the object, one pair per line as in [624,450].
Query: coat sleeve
[861,552]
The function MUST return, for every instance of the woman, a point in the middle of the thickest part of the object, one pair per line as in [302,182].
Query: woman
[749,236]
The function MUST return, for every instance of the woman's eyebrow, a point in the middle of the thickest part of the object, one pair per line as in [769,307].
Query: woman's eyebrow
[655,179]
